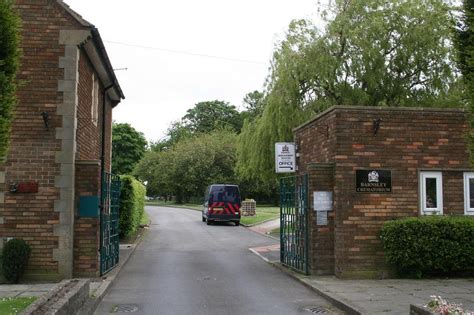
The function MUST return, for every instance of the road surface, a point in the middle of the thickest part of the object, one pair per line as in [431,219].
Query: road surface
[184,266]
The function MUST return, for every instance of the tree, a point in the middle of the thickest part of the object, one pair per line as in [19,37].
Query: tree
[465,47]
[465,43]
[128,147]
[373,53]
[175,133]
[186,169]
[9,63]
[208,116]
[254,103]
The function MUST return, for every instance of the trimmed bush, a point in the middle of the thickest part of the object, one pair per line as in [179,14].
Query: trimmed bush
[430,246]
[132,205]
[15,255]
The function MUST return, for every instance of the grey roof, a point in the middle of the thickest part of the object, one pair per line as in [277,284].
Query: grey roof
[74,14]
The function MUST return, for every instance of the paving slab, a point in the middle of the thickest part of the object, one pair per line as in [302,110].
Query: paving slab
[386,296]
[394,296]
[36,289]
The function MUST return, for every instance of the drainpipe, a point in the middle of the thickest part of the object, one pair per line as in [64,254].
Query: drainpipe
[102,149]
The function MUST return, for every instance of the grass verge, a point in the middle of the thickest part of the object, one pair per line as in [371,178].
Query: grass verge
[145,219]
[14,305]
[262,214]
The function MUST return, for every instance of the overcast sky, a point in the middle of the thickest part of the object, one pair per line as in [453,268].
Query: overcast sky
[161,83]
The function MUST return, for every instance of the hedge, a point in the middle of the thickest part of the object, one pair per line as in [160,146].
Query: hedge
[132,205]
[430,246]
[9,63]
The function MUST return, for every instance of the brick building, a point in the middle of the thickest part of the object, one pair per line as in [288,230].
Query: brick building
[60,141]
[379,164]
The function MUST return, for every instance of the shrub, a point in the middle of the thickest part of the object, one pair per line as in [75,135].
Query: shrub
[15,255]
[9,61]
[132,205]
[430,246]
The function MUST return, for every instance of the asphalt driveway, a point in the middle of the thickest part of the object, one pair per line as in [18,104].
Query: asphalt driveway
[184,266]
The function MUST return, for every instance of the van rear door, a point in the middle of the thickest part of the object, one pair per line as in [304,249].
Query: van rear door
[224,200]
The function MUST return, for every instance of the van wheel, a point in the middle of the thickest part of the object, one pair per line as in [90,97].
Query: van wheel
[209,222]
[203,219]
[237,223]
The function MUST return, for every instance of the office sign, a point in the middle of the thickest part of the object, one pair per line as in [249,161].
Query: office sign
[285,160]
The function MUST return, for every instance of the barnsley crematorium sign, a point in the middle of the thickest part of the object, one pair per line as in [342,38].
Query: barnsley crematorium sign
[373,181]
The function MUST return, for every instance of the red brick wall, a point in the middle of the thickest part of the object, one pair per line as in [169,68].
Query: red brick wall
[453,192]
[33,148]
[89,139]
[321,240]
[408,141]
[86,230]
[316,142]
[88,130]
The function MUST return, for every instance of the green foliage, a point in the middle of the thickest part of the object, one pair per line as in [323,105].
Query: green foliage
[188,167]
[373,53]
[254,104]
[205,117]
[132,205]
[15,255]
[128,147]
[175,133]
[430,246]
[465,47]
[465,43]
[9,63]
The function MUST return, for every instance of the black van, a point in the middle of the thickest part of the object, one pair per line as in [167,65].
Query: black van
[221,203]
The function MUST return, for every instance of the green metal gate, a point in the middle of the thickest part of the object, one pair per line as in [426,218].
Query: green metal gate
[109,223]
[294,223]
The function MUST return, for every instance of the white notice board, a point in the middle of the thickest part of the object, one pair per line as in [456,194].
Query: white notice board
[322,200]
[285,161]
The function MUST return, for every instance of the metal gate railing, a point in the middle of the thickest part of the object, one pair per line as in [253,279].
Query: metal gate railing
[294,223]
[109,223]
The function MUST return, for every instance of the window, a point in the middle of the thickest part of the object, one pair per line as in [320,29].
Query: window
[95,100]
[469,193]
[431,192]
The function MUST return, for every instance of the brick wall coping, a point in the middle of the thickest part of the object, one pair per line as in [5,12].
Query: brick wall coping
[88,162]
[379,108]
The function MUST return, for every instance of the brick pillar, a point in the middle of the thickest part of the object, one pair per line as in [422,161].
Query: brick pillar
[64,253]
[321,237]
[87,229]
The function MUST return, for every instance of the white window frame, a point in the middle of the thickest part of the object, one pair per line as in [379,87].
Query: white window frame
[467,207]
[439,193]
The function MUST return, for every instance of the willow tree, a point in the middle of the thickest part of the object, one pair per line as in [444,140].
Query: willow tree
[9,62]
[372,53]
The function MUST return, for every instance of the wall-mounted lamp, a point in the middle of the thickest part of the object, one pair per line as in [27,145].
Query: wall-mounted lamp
[376,126]
[45,116]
